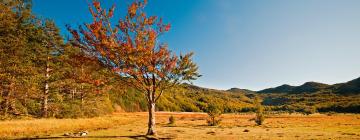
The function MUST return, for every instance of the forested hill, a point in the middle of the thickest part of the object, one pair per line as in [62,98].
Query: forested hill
[238,90]
[351,87]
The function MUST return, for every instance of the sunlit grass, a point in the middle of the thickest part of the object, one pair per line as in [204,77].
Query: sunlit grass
[39,127]
[192,126]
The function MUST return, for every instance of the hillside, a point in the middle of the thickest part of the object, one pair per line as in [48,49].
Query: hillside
[238,90]
[309,87]
[185,98]
[307,98]
[280,89]
[351,87]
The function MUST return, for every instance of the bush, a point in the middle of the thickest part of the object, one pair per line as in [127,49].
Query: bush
[171,120]
[214,113]
[213,121]
[309,110]
[259,118]
[331,113]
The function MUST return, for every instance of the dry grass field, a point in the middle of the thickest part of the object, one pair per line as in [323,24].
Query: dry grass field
[188,126]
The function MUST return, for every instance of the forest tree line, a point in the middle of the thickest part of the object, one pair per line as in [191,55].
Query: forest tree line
[41,74]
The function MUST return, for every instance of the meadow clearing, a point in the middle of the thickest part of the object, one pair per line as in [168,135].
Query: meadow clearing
[188,126]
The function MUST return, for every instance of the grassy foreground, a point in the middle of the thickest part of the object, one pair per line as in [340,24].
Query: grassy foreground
[189,126]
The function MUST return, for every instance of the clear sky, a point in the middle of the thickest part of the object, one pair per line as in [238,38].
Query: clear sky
[252,44]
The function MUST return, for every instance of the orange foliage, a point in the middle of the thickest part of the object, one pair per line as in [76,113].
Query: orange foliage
[131,48]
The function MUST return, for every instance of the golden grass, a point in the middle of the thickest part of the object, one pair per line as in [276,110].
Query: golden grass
[192,126]
[41,127]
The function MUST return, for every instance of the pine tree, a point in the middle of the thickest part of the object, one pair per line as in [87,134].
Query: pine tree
[14,73]
[47,60]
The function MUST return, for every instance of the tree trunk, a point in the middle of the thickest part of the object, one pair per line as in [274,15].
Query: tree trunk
[151,124]
[82,99]
[8,98]
[6,106]
[73,94]
[13,107]
[45,106]
[46,93]
[82,95]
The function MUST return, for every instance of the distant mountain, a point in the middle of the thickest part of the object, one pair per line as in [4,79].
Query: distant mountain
[194,87]
[280,89]
[238,90]
[309,87]
[351,87]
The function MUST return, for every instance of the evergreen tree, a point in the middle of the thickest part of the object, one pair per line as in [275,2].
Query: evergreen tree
[15,22]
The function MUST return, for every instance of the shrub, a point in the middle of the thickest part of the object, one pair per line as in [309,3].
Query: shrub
[171,120]
[213,121]
[309,110]
[259,118]
[214,113]
[331,113]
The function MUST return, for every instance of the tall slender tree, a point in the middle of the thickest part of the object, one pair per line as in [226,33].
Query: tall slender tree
[132,50]
[51,47]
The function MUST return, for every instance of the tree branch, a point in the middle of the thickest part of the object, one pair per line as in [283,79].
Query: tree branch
[157,98]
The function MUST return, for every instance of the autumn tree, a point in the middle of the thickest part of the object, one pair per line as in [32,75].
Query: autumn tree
[132,50]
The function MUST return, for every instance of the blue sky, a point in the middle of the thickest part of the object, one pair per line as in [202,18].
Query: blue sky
[251,44]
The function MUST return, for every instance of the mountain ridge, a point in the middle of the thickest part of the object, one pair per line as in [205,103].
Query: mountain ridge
[350,87]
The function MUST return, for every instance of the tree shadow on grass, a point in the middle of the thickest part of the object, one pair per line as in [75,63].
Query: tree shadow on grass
[169,125]
[135,137]
[203,126]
